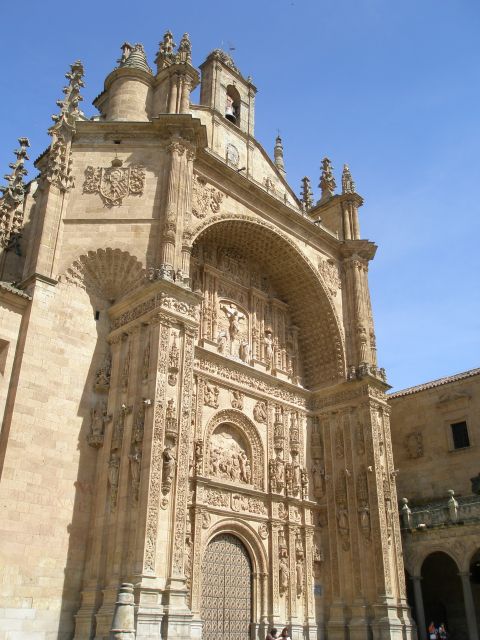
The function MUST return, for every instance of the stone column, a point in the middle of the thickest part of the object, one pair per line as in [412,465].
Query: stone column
[419,608]
[469,605]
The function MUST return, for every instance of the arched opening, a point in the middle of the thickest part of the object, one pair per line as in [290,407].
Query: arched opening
[475,584]
[226,589]
[264,303]
[443,594]
[232,105]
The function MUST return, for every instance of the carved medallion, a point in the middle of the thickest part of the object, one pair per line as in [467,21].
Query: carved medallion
[114,183]
[206,199]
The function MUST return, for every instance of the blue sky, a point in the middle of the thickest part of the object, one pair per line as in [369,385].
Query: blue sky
[391,88]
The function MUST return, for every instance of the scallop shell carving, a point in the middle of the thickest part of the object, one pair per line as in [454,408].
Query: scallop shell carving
[106,273]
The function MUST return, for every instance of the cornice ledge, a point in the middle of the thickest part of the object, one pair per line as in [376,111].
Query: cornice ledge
[365,249]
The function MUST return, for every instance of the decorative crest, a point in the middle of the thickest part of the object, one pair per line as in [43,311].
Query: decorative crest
[348,185]
[11,213]
[69,109]
[306,194]
[114,183]
[327,181]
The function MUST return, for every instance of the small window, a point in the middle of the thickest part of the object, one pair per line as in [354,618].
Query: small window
[460,435]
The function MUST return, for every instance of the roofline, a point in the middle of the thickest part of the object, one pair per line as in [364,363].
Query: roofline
[434,383]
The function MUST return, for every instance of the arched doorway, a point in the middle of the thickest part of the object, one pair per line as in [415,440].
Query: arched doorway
[226,589]
[443,594]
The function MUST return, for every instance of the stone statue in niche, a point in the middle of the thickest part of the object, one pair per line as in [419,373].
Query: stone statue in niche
[244,351]
[222,342]
[198,456]
[268,346]
[228,456]
[232,336]
[98,419]
[169,464]
[283,571]
[113,471]
[318,479]
[304,476]
[135,458]
[211,395]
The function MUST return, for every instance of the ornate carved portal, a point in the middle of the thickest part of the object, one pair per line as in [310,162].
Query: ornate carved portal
[226,590]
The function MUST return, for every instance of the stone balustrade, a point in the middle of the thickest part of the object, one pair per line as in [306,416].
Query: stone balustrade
[442,513]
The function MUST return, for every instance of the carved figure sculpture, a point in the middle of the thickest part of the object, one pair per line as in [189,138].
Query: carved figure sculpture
[135,463]
[268,345]
[234,318]
[260,411]
[222,342]
[113,470]
[169,464]
[299,575]
[211,395]
[244,351]
[283,571]
[317,477]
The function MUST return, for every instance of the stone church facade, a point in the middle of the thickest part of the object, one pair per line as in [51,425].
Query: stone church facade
[191,401]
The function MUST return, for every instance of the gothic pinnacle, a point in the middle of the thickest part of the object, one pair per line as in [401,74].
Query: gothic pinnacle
[69,109]
[15,189]
[185,49]
[306,194]
[327,180]
[278,156]
[348,185]
[11,213]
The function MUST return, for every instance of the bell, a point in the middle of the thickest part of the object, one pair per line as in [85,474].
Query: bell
[230,110]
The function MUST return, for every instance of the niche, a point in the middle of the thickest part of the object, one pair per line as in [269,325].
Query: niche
[232,105]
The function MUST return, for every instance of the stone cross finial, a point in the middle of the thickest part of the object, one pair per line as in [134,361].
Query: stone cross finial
[327,181]
[69,109]
[278,155]
[184,49]
[348,185]
[126,51]
[11,213]
[306,194]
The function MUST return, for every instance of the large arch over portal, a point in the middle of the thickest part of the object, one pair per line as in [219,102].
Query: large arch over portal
[297,281]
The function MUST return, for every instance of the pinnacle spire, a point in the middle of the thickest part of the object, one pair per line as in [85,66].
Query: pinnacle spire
[166,52]
[278,156]
[327,180]
[134,57]
[11,214]
[348,185]
[69,109]
[185,49]
[306,194]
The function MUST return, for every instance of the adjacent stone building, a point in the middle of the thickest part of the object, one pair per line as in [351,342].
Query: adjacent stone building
[436,438]
[192,406]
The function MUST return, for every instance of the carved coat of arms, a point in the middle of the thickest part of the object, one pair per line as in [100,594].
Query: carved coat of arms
[205,198]
[114,183]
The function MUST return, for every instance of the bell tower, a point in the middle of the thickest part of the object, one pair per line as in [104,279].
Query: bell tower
[226,91]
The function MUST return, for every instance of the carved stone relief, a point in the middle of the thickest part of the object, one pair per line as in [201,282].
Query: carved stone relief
[114,183]
[413,443]
[260,412]
[329,272]
[205,198]
[229,459]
